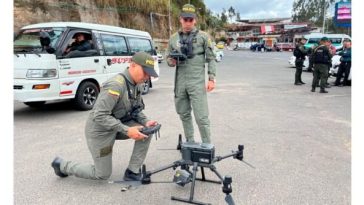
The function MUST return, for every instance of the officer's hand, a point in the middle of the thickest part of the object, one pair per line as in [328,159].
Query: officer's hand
[210,85]
[151,123]
[133,132]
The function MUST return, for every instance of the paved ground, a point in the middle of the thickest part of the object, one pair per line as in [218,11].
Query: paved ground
[299,142]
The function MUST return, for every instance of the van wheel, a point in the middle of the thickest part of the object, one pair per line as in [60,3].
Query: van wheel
[35,104]
[86,96]
[145,87]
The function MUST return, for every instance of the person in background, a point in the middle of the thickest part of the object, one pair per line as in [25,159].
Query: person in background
[345,64]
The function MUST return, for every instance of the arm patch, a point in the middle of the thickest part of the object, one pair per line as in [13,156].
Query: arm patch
[114,93]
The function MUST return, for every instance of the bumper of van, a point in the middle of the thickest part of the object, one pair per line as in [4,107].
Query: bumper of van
[24,92]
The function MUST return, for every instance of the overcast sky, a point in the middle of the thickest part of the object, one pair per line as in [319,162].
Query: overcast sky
[254,9]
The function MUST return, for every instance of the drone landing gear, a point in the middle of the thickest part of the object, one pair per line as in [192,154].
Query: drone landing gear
[192,191]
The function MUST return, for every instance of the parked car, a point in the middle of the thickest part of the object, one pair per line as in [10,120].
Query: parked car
[333,69]
[160,57]
[219,53]
[260,47]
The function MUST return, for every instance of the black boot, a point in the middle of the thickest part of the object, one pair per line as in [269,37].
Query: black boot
[313,89]
[302,82]
[323,91]
[131,176]
[56,164]
[297,83]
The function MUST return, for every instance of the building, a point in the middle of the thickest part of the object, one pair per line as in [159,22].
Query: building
[273,31]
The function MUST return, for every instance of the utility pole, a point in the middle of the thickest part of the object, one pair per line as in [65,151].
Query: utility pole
[169,20]
[323,23]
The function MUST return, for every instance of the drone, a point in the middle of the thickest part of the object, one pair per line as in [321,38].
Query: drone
[194,155]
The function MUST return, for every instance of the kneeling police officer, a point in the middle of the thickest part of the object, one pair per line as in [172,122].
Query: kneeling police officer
[116,115]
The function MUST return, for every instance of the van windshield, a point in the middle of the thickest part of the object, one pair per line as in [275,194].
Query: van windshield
[335,40]
[313,41]
[29,39]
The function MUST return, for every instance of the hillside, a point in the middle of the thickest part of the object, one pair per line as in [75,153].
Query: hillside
[134,14]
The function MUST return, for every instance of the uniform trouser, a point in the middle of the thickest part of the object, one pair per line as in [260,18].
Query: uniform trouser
[344,68]
[193,98]
[298,73]
[310,64]
[320,73]
[100,146]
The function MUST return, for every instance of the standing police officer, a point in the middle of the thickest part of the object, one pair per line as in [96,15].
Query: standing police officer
[300,52]
[190,90]
[116,115]
[322,60]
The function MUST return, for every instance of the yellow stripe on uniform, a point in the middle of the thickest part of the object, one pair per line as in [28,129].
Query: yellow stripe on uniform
[114,93]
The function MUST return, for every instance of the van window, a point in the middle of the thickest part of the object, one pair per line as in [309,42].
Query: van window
[28,40]
[138,45]
[114,45]
[335,40]
[314,40]
[79,44]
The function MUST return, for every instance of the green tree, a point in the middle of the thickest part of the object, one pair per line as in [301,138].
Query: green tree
[231,13]
[312,11]
[223,16]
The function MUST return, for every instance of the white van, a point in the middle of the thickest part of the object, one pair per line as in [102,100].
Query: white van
[43,71]
[337,40]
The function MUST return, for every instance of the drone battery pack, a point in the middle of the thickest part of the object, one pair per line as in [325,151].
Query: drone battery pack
[198,152]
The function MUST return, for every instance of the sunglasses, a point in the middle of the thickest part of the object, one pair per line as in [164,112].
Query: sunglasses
[187,19]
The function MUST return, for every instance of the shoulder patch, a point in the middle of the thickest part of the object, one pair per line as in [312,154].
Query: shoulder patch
[119,79]
[114,93]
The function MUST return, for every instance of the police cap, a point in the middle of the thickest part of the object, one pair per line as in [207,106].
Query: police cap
[188,11]
[324,39]
[146,61]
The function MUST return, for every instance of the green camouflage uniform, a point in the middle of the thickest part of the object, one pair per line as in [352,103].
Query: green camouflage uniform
[299,63]
[103,126]
[321,69]
[190,83]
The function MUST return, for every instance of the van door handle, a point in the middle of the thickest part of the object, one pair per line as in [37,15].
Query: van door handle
[108,61]
[96,60]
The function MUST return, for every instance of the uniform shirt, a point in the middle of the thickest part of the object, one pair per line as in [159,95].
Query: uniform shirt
[203,52]
[303,51]
[113,103]
[322,55]
[346,55]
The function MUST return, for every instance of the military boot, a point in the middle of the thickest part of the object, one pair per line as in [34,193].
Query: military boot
[131,176]
[56,164]
[323,91]
[313,89]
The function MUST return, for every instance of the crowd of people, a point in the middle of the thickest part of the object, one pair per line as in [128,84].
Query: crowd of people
[320,62]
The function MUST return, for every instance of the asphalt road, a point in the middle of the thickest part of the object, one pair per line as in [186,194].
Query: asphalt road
[299,142]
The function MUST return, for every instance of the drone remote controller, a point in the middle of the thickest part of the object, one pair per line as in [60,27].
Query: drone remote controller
[150,130]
